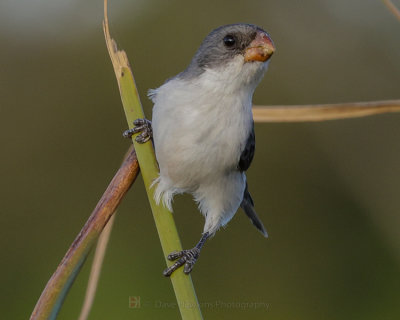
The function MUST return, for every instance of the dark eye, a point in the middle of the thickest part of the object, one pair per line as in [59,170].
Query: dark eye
[229,41]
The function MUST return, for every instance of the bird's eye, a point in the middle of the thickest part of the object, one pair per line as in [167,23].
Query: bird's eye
[229,41]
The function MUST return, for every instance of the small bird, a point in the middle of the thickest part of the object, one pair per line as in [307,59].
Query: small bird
[203,130]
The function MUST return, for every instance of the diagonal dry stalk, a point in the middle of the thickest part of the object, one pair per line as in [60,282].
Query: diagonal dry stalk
[390,5]
[96,269]
[57,287]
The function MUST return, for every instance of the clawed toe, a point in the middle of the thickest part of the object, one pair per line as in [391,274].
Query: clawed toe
[184,257]
[144,127]
[175,255]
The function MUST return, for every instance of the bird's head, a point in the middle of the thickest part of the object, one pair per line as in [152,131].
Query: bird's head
[236,51]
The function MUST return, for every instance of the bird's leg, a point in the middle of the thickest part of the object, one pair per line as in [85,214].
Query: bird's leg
[186,257]
[144,127]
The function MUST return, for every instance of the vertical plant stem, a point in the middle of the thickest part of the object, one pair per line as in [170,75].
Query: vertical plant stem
[182,284]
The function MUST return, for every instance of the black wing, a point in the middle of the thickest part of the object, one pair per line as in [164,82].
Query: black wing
[248,152]
[248,207]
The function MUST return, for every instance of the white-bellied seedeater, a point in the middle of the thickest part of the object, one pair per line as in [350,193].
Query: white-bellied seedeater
[203,130]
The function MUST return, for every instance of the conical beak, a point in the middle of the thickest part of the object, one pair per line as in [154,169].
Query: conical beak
[260,49]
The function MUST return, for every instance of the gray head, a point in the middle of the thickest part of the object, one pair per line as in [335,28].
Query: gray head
[225,43]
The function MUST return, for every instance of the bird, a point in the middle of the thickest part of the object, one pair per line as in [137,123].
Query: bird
[203,130]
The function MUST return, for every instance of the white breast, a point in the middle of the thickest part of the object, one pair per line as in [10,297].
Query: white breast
[200,126]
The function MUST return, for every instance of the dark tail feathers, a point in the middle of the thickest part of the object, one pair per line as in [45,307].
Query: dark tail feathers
[248,207]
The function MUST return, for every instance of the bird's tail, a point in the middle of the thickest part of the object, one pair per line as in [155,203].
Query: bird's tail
[248,207]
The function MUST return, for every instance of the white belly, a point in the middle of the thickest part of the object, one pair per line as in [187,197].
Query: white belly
[195,145]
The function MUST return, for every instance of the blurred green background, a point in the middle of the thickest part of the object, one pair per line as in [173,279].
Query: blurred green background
[328,193]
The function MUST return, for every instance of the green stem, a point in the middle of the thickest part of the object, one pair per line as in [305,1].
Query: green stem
[182,284]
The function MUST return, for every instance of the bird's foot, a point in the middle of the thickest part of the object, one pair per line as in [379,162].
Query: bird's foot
[184,257]
[144,127]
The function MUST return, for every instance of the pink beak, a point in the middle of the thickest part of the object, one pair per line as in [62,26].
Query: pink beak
[260,49]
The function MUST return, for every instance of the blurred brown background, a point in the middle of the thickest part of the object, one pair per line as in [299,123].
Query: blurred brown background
[328,193]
